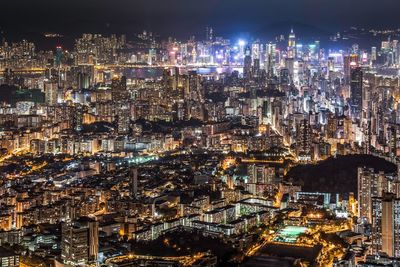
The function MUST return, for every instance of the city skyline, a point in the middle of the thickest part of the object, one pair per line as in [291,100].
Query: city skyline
[200,134]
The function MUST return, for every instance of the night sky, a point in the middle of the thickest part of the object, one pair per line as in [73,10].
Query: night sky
[182,18]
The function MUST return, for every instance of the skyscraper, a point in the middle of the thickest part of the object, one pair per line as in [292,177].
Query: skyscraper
[373,53]
[58,57]
[51,92]
[303,142]
[270,59]
[292,45]
[356,90]
[78,117]
[80,241]
[192,87]
[386,225]
[209,34]
[256,56]
[134,182]
[349,62]
[8,258]
[118,89]
[247,63]
[123,117]
[370,185]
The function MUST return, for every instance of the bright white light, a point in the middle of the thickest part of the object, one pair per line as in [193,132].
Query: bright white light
[242,42]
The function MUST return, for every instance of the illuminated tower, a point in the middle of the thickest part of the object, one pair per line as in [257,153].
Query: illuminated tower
[356,90]
[80,241]
[270,59]
[255,48]
[393,141]
[152,56]
[133,175]
[386,225]
[209,34]
[78,117]
[123,117]
[350,61]
[303,140]
[194,55]
[118,89]
[83,80]
[292,45]
[191,88]
[373,54]
[247,64]
[51,92]
[58,57]
[370,185]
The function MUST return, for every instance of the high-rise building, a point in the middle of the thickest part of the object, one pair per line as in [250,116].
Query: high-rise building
[356,90]
[8,258]
[192,87]
[77,119]
[256,56]
[255,50]
[270,59]
[152,56]
[118,89]
[247,63]
[303,140]
[292,45]
[51,92]
[349,62]
[123,117]
[373,53]
[284,76]
[260,174]
[134,182]
[209,34]
[58,57]
[370,185]
[393,140]
[386,225]
[80,241]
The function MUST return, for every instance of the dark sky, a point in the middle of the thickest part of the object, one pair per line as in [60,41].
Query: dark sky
[184,17]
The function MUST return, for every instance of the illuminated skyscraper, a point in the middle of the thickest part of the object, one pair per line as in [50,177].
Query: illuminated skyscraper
[386,225]
[255,50]
[152,56]
[256,56]
[123,117]
[247,63]
[134,182]
[292,45]
[356,90]
[209,34]
[78,117]
[284,76]
[80,241]
[393,140]
[303,141]
[8,258]
[118,89]
[58,57]
[370,185]
[373,53]
[350,61]
[83,80]
[270,59]
[51,92]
